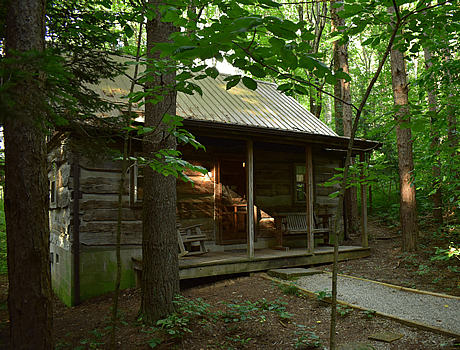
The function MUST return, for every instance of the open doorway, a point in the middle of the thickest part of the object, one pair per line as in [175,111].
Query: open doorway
[233,213]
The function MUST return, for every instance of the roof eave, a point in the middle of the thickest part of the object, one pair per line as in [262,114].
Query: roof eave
[226,130]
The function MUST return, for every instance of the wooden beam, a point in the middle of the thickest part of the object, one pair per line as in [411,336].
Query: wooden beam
[250,196]
[365,244]
[309,195]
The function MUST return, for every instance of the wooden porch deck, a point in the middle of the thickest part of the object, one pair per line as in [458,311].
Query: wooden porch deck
[237,261]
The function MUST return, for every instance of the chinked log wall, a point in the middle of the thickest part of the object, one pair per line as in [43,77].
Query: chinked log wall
[98,205]
[274,192]
[60,213]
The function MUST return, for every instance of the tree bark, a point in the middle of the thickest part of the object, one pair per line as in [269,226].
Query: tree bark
[437,196]
[26,189]
[452,136]
[315,14]
[336,55]
[160,271]
[343,115]
[408,205]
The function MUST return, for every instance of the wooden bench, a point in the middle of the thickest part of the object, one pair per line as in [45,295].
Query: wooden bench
[297,223]
[185,239]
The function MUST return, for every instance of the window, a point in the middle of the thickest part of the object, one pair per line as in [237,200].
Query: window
[300,194]
[137,183]
[53,185]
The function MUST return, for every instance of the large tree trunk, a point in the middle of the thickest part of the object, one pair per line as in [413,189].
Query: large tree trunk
[315,14]
[408,205]
[452,136]
[26,189]
[160,271]
[343,114]
[437,196]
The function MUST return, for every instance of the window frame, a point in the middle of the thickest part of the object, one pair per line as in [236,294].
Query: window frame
[297,182]
[53,185]
[134,179]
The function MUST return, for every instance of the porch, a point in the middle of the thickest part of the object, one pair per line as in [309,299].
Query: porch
[237,261]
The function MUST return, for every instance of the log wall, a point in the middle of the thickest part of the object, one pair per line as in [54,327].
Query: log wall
[274,178]
[99,185]
[59,172]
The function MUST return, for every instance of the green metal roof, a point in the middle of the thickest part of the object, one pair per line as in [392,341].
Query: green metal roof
[265,107]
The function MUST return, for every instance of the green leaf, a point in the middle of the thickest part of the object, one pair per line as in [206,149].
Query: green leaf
[212,72]
[277,43]
[181,49]
[198,68]
[307,62]
[201,76]
[240,63]
[321,68]
[257,71]
[367,41]
[143,130]
[300,89]
[281,32]
[319,74]
[330,79]
[304,47]
[250,83]
[269,3]
[232,81]
[342,75]
[289,58]
[128,31]
[285,87]
[308,36]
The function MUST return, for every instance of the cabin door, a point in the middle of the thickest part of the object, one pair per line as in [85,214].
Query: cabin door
[233,216]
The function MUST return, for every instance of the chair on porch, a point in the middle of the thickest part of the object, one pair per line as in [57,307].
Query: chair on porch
[322,227]
[186,240]
[297,223]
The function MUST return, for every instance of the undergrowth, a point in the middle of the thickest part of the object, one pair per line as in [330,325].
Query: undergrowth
[235,315]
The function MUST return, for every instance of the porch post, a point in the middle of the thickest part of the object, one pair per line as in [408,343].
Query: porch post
[365,243]
[309,198]
[250,196]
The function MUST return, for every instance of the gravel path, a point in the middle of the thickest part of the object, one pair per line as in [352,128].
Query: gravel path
[427,309]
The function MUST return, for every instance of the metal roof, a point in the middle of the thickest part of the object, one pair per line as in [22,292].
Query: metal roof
[265,107]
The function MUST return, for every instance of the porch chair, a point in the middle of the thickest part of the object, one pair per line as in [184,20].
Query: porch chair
[297,223]
[322,229]
[185,239]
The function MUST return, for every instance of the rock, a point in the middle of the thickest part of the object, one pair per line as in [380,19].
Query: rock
[292,273]
[387,337]
[356,346]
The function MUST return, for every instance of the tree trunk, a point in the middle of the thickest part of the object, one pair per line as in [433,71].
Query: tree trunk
[315,14]
[437,196]
[26,189]
[452,136]
[408,205]
[343,114]
[160,270]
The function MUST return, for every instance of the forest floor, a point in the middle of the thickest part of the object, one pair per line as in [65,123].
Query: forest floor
[251,312]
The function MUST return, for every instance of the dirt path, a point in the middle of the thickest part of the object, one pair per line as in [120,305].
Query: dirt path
[249,312]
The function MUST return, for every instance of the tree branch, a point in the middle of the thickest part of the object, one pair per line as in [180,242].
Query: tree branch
[301,81]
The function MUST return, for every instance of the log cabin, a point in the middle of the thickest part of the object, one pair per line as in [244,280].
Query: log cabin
[267,157]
